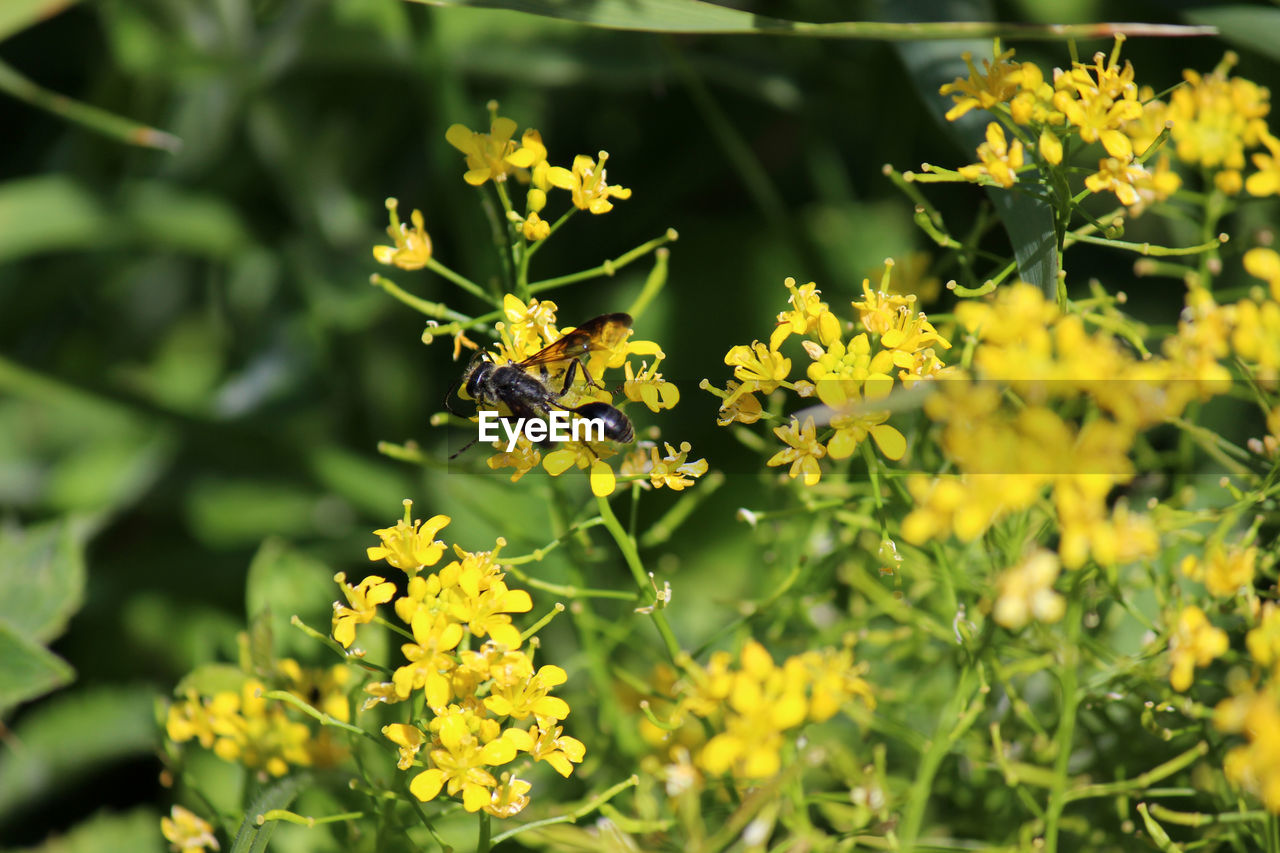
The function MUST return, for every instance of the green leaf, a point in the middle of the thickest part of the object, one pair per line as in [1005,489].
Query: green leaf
[695,16]
[49,213]
[42,579]
[71,735]
[27,669]
[137,831]
[283,582]
[1029,224]
[253,838]
[226,512]
[17,15]
[1254,27]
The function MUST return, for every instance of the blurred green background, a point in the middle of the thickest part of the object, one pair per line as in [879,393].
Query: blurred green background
[193,363]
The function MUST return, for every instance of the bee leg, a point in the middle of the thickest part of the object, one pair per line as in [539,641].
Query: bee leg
[576,367]
[465,448]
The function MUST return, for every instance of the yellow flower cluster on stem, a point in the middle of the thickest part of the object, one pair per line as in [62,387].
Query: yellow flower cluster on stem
[245,727]
[755,708]
[895,349]
[468,663]
[1006,456]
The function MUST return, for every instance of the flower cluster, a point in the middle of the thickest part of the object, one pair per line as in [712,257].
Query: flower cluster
[187,832]
[468,664]
[240,724]
[895,347]
[751,710]
[497,157]
[527,328]
[1007,455]
[1254,712]
[1213,120]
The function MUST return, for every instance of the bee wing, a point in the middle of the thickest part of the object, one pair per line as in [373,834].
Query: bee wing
[603,332]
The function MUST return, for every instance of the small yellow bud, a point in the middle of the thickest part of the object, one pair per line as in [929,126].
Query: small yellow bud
[1050,147]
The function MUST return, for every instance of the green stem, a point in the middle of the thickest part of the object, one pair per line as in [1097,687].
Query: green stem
[482,840]
[108,124]
[436,310]
[572,817]
[1067,722]
[462,281]
[952,724]
[607,268]
[632,557]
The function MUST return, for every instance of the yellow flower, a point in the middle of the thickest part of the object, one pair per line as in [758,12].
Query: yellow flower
[997,159]
[408,740]
[509,797]
[1256,337]
[529,696]
[1050,147]
[1225,571]
[759,364]
[524,458]
[187,832]
[1264,264]
[674,470]
[1145,129]
[809,316]
[535,228]
[435,635]
[407,547]
[586,183]
[1266,181]
[1194,643]
[803,451]
[531,154]
[486,153]
[765,700]
[650,388]
[1121,176]
[361,607]
[738,401]
[460,758]
[1215,118]
[1263,641]
[1156,185]
[528,327]
[1256,765]
[486,614]
[577,454]
[1100,100]
[412,247]
[551,745]
[834,681]
[1026,593]
[997,82]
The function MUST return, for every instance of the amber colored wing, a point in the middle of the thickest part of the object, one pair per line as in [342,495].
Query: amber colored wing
[603,332]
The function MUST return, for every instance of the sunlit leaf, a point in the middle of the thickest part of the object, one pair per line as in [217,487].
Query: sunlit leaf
[1254,27]
[17,15]
[42,576]
[27,669]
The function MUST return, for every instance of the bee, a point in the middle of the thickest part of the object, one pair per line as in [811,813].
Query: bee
[527,394]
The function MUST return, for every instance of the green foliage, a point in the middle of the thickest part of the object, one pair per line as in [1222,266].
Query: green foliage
[203,397]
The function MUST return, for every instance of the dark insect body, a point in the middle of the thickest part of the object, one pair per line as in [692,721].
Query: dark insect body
[525,395]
